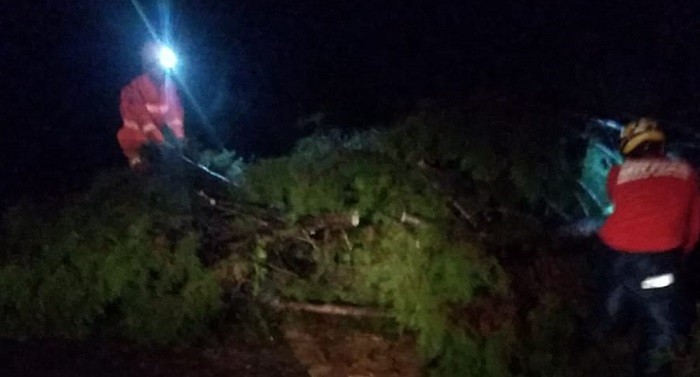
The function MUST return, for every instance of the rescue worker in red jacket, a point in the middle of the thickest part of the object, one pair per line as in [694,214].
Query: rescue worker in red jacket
[654,224]
[148,105]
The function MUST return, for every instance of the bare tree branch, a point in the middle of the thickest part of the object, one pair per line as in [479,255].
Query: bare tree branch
[330,309]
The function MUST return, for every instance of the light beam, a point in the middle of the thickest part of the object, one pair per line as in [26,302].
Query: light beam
[167,58]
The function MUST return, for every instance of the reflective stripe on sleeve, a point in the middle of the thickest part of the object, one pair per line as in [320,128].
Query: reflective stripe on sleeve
[150,127]
[155,108]
[175,122]
[131,124]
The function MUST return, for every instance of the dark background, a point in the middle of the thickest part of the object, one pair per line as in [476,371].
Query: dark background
[256,66]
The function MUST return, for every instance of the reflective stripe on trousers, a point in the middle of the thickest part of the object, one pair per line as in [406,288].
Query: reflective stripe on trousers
[648,289]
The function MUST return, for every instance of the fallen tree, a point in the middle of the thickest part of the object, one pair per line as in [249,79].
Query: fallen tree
[444,223]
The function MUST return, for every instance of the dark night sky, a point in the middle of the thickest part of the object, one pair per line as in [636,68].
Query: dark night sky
[255,66]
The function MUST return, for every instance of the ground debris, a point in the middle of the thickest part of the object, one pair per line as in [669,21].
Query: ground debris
[328,349]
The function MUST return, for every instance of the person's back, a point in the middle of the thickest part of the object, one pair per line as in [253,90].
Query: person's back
[655,219]
[653,198]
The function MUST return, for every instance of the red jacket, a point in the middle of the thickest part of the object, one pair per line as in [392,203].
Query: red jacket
[145,106]
[656,206]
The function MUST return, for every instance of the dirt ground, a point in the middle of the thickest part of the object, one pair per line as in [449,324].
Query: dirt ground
[313,346]
[328,347]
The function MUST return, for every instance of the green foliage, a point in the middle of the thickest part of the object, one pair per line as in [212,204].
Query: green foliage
[225,162]
[172,298]
[323,144]
[107,260]
[439,196]
[443,198]
[361,181]
[513,156]
[421,275]
[419,270]
[269,182]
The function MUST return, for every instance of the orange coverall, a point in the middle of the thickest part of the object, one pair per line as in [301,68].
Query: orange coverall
[146,108]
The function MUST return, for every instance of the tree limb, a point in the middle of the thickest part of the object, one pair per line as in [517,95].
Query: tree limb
[329,309]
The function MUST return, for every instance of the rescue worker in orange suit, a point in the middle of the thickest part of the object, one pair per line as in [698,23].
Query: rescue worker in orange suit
[148,105]
[654,225]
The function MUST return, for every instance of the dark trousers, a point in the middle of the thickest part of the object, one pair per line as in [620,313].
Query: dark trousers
[665,314]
